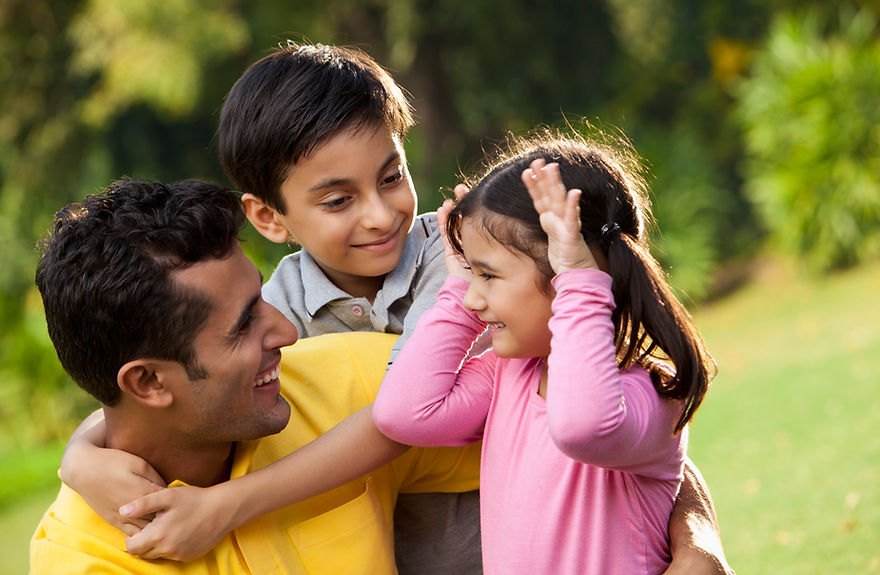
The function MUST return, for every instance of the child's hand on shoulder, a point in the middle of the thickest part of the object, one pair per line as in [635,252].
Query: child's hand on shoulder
[559,212]
[107,478]
[455,265]
[189,522]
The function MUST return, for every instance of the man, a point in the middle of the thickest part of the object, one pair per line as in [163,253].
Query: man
[155,310]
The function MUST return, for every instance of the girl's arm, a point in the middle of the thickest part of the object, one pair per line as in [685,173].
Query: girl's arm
[595,413]
[106,478]
[425,399]
[190,521]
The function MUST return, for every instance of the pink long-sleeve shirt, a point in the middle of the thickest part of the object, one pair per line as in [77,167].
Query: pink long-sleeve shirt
[582,483]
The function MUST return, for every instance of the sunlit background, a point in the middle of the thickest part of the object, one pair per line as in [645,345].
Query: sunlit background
[758,120]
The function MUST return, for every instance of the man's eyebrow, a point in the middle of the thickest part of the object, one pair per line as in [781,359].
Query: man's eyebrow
[246,312]
[245,315]
[333,181]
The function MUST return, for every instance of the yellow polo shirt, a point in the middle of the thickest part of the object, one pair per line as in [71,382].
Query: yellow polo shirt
[344,531]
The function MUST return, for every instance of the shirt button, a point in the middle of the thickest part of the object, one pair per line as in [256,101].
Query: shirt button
[357,310]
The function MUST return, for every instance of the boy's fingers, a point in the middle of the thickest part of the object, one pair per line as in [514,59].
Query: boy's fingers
[460,190]
[148,504]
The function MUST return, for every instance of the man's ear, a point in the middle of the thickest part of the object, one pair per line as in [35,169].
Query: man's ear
[265,219]
[143,380]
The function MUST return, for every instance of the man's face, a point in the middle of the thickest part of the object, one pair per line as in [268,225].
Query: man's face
[239,347]
[350,204]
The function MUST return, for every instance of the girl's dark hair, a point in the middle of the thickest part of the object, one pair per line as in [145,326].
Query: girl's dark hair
[651,326]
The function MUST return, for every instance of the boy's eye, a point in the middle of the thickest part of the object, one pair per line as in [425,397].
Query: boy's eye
[393,177]
[486,276]
[335,203]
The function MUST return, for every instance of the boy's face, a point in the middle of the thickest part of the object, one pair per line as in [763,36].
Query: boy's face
[350,204]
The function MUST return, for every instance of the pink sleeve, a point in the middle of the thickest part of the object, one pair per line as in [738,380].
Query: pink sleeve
[596,413]
[425,399]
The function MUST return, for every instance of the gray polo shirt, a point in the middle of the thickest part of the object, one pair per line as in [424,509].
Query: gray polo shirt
[302,292]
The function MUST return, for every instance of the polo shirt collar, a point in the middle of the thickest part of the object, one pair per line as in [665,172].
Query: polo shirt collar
[317,287]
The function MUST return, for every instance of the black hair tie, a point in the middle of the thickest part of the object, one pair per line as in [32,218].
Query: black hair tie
[609,232]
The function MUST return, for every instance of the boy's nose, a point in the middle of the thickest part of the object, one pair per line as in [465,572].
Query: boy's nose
[377,214]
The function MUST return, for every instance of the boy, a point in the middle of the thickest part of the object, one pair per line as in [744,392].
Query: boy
[313,137]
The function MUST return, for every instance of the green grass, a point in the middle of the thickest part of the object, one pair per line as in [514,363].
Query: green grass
[788,438]
[789,435]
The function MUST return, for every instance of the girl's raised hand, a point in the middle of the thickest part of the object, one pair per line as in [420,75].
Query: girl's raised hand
[559,212]
[455,265]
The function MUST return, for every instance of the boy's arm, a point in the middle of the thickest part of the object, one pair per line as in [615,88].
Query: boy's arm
[191,521]
[106,478]
[694,537]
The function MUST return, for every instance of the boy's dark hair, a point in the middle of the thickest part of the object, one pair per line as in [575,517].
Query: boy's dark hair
[292,101]
[651,326]
[105,276]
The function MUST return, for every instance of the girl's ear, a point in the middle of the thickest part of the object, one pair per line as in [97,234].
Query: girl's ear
[143,381]
[265,219]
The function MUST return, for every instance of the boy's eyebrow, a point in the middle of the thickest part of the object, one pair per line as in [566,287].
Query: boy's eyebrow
[334,181]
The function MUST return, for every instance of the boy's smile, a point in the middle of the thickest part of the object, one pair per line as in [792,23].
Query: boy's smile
[350,204]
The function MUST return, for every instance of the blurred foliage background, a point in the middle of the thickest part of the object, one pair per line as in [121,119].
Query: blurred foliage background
[759,121]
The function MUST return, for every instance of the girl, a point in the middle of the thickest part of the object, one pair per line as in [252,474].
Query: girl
[595,371]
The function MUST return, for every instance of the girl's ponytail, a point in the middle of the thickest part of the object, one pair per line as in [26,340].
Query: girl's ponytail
[653,328]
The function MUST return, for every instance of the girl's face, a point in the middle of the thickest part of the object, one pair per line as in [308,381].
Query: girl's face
[504,293]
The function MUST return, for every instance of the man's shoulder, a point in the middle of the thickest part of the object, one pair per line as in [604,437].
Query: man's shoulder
[357,346]
[71,538]
[336,363]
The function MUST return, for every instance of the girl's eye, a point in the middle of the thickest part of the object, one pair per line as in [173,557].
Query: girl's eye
[486,276]
[335,203]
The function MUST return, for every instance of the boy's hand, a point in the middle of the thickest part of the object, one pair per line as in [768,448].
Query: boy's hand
[189,522]
[106,478]
[559,212]
[455,265]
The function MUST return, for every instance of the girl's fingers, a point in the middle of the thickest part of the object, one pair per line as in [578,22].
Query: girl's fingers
[460,190]
[544,184]
[573,210]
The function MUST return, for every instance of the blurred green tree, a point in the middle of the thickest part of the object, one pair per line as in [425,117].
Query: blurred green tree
[811,118]
[78,77]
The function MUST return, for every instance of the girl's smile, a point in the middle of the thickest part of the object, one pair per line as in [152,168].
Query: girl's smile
[505,293]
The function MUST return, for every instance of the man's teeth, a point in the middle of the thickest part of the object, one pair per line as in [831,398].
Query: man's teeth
[270,377]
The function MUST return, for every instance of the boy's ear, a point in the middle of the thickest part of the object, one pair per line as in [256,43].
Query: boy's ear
[144,382]
[264,218]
